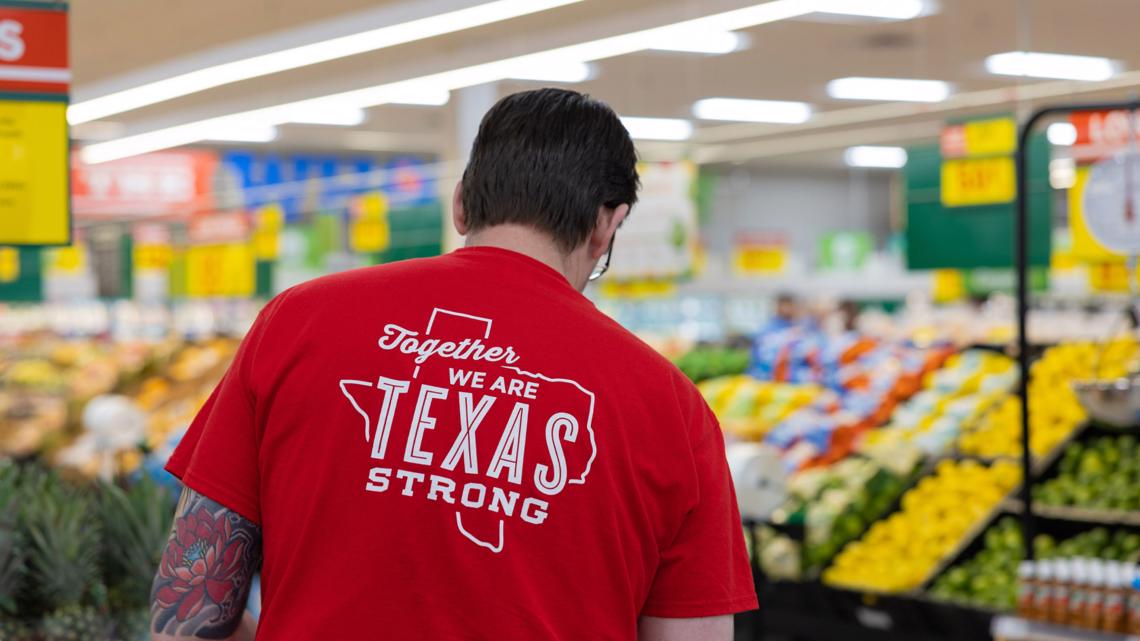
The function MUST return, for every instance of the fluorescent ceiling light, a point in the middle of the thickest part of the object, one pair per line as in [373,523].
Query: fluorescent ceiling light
[1062,134]
[243,133]
[426,96]
[885,9]
[764,13]
[295,57]
[875,157]
[338,117]
[571,71]
[711,43]
[740,110]
[1050,65]
[899,89]
[657,128]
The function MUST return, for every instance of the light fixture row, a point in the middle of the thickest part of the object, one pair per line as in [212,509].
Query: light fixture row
[710,35]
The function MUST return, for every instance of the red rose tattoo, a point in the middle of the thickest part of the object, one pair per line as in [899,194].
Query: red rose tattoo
[204,578]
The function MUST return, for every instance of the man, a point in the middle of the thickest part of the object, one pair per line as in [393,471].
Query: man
[463,447]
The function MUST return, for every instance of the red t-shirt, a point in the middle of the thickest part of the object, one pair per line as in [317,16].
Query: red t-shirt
[463,447]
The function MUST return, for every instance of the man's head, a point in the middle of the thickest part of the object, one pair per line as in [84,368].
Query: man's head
[554,161]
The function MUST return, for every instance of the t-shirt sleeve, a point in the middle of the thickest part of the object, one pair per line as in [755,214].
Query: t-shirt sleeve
[705,570]
[218,456]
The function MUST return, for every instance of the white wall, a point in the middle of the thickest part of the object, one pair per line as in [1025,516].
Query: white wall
[804,204]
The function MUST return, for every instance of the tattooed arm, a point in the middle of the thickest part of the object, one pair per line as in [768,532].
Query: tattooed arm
[204,578]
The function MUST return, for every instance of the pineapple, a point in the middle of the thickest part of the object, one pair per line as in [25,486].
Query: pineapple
[63,558]
[12,570]
[136,525]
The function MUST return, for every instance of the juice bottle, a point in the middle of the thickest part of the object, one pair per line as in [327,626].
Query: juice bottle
[1026,590]
[1078,592]
[1043,595]
[1094,596]
[1134,603]
[1115,598]
[1059,603]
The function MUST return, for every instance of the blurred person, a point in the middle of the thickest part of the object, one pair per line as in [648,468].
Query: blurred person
[464,447]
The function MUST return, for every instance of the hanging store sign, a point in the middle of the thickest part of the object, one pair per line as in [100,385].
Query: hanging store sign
[977,166]
[1101,134]
[369,230]
[220,261]
[33,49]
[34,208]
[175,183]
[760,253]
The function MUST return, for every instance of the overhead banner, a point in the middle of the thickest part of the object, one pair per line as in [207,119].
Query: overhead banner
[164,184]
[33,49]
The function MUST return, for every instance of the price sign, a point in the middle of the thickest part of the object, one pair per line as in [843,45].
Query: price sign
[151,250]
[1108,277]
[220,270]
[369,231]
[978,181]
[9,264]
[267,231]
[67,260]
[760,253]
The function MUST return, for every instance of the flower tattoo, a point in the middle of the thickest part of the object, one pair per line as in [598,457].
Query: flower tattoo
[204,578]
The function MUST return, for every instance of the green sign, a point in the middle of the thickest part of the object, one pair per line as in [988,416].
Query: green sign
[969,237]
[21,274]
[845,250]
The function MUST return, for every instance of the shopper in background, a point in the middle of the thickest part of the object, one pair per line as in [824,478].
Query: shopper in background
[463,447]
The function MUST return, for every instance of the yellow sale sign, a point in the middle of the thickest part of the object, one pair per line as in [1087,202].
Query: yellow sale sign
[992,137]
[221,270]
[34,201]
[978,181]
[9,264]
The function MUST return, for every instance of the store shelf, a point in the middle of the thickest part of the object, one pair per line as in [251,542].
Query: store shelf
[1077,514]
[1009,628]
[852,286]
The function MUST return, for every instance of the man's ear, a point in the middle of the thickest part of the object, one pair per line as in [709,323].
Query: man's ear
[458,216]
[608,222]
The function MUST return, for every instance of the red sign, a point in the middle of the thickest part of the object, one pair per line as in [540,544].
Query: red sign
[218,229]
[1102,133]
[175,183]
[953,141]
[33,50]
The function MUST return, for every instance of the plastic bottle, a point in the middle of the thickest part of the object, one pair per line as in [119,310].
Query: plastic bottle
[1043,596]
[1115,599]
[1059,603]
[1094,596]
[1027,590]
[1078,592]
[1134,603]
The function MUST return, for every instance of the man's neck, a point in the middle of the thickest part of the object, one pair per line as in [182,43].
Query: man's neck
[524,240]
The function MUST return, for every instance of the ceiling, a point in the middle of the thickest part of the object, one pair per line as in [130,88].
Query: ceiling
[117,43]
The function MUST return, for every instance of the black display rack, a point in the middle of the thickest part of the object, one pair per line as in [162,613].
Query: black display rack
[809,610]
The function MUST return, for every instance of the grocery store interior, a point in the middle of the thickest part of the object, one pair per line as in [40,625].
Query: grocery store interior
[868,230]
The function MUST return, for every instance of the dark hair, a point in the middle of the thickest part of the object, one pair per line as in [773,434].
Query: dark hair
[549,159]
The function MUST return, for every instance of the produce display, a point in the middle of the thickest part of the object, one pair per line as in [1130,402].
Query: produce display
[748,408]
[899,553]
[1054,410]
[1103,474]
[703,363]
[77,560]
[838,502]
[990,578]
[963,390]
[44,382]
